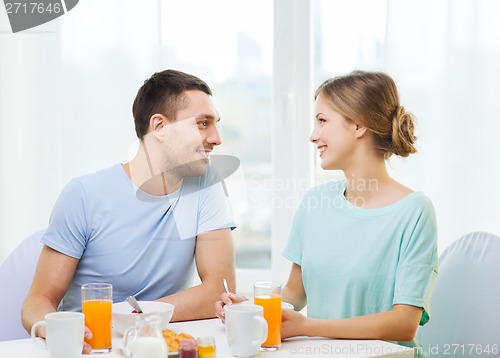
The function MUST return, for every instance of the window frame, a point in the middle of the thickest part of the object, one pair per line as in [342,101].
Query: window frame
[292,158]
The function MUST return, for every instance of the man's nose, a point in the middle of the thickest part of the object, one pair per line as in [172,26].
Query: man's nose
[214,137]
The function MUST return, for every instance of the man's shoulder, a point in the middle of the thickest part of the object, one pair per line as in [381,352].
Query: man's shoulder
[104,179]
[110,173]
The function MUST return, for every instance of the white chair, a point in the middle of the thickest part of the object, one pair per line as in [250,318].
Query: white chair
[16,275]
[465,306]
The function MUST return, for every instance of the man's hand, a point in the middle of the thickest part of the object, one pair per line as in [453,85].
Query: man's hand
[87,348]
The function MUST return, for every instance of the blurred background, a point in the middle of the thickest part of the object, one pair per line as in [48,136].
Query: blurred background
[67,87]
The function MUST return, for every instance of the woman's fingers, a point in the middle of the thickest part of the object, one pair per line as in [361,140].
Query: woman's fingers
[87,348]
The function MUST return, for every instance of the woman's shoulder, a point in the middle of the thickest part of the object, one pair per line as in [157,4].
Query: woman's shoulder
[398,194]
[331,187]
[417,201]
[330,194]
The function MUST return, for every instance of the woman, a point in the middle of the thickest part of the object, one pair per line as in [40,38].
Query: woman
[364,249]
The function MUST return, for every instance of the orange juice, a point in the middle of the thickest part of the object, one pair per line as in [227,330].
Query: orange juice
[272,314]
[98,319]
[206,347]
[206,351]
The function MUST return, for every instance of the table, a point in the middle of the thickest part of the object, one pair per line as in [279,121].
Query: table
[298,347]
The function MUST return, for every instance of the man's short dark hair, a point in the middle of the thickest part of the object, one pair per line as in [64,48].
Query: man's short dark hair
[163,93]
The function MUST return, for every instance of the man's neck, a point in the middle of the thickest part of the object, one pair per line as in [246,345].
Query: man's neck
[143,172]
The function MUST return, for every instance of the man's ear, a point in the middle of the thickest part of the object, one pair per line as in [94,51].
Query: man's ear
[156,124]
[360,131]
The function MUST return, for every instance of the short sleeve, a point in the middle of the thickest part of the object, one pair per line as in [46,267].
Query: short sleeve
[67,228]
[417,269]
[295,244]
[214,209]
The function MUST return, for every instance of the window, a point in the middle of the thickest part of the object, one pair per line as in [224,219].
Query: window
[233,52]
[346,38]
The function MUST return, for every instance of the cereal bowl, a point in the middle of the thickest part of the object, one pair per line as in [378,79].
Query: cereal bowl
[123,317]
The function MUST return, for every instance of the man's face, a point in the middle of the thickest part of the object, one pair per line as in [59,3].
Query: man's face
[190,139]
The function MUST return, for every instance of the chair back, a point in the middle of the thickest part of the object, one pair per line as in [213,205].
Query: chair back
[465,305]
[16,276]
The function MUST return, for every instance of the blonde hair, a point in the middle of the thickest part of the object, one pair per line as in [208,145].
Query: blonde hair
[371,99]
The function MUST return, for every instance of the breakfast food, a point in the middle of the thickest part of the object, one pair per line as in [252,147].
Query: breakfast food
[172,338]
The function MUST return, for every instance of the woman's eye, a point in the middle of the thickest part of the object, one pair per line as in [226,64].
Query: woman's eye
[203,123]
[321,120]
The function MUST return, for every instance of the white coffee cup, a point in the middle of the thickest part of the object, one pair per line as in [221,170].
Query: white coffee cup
[64,334]
[246,329]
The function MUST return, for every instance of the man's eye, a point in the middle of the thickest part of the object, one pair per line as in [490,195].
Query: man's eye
[203,123]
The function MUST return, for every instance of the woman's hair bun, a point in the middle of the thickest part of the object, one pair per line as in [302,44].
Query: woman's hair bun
[403,136]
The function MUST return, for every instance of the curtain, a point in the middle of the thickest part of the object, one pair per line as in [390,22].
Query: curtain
[66,94]
[444,57]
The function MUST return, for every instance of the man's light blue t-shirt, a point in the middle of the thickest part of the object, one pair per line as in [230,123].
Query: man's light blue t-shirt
[143,244]
[359,261]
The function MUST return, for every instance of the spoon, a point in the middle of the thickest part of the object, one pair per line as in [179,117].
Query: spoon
[224,282]
[133,302]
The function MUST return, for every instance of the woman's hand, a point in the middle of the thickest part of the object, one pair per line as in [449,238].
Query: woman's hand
[292,324]
[88,335]
[227,300]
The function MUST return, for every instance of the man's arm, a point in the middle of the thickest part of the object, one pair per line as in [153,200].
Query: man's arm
[53,275]
[214,261]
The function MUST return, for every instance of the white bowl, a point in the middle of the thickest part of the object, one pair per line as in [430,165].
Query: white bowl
[123,317]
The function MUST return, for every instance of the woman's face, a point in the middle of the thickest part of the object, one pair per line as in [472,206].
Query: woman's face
[333,135]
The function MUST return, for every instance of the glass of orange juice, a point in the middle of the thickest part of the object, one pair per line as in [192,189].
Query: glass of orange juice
[97,302]
[268,295]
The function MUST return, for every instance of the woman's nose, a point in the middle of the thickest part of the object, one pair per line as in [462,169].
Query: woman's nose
[314,135]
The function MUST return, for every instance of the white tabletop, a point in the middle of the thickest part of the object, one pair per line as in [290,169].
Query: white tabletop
[297,347]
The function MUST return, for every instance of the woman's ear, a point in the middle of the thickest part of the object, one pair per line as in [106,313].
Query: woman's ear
[360,131]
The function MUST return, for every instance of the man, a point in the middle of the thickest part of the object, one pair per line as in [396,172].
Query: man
[140,225]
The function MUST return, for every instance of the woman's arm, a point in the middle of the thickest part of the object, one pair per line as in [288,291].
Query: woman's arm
[398,324]
[294,292]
